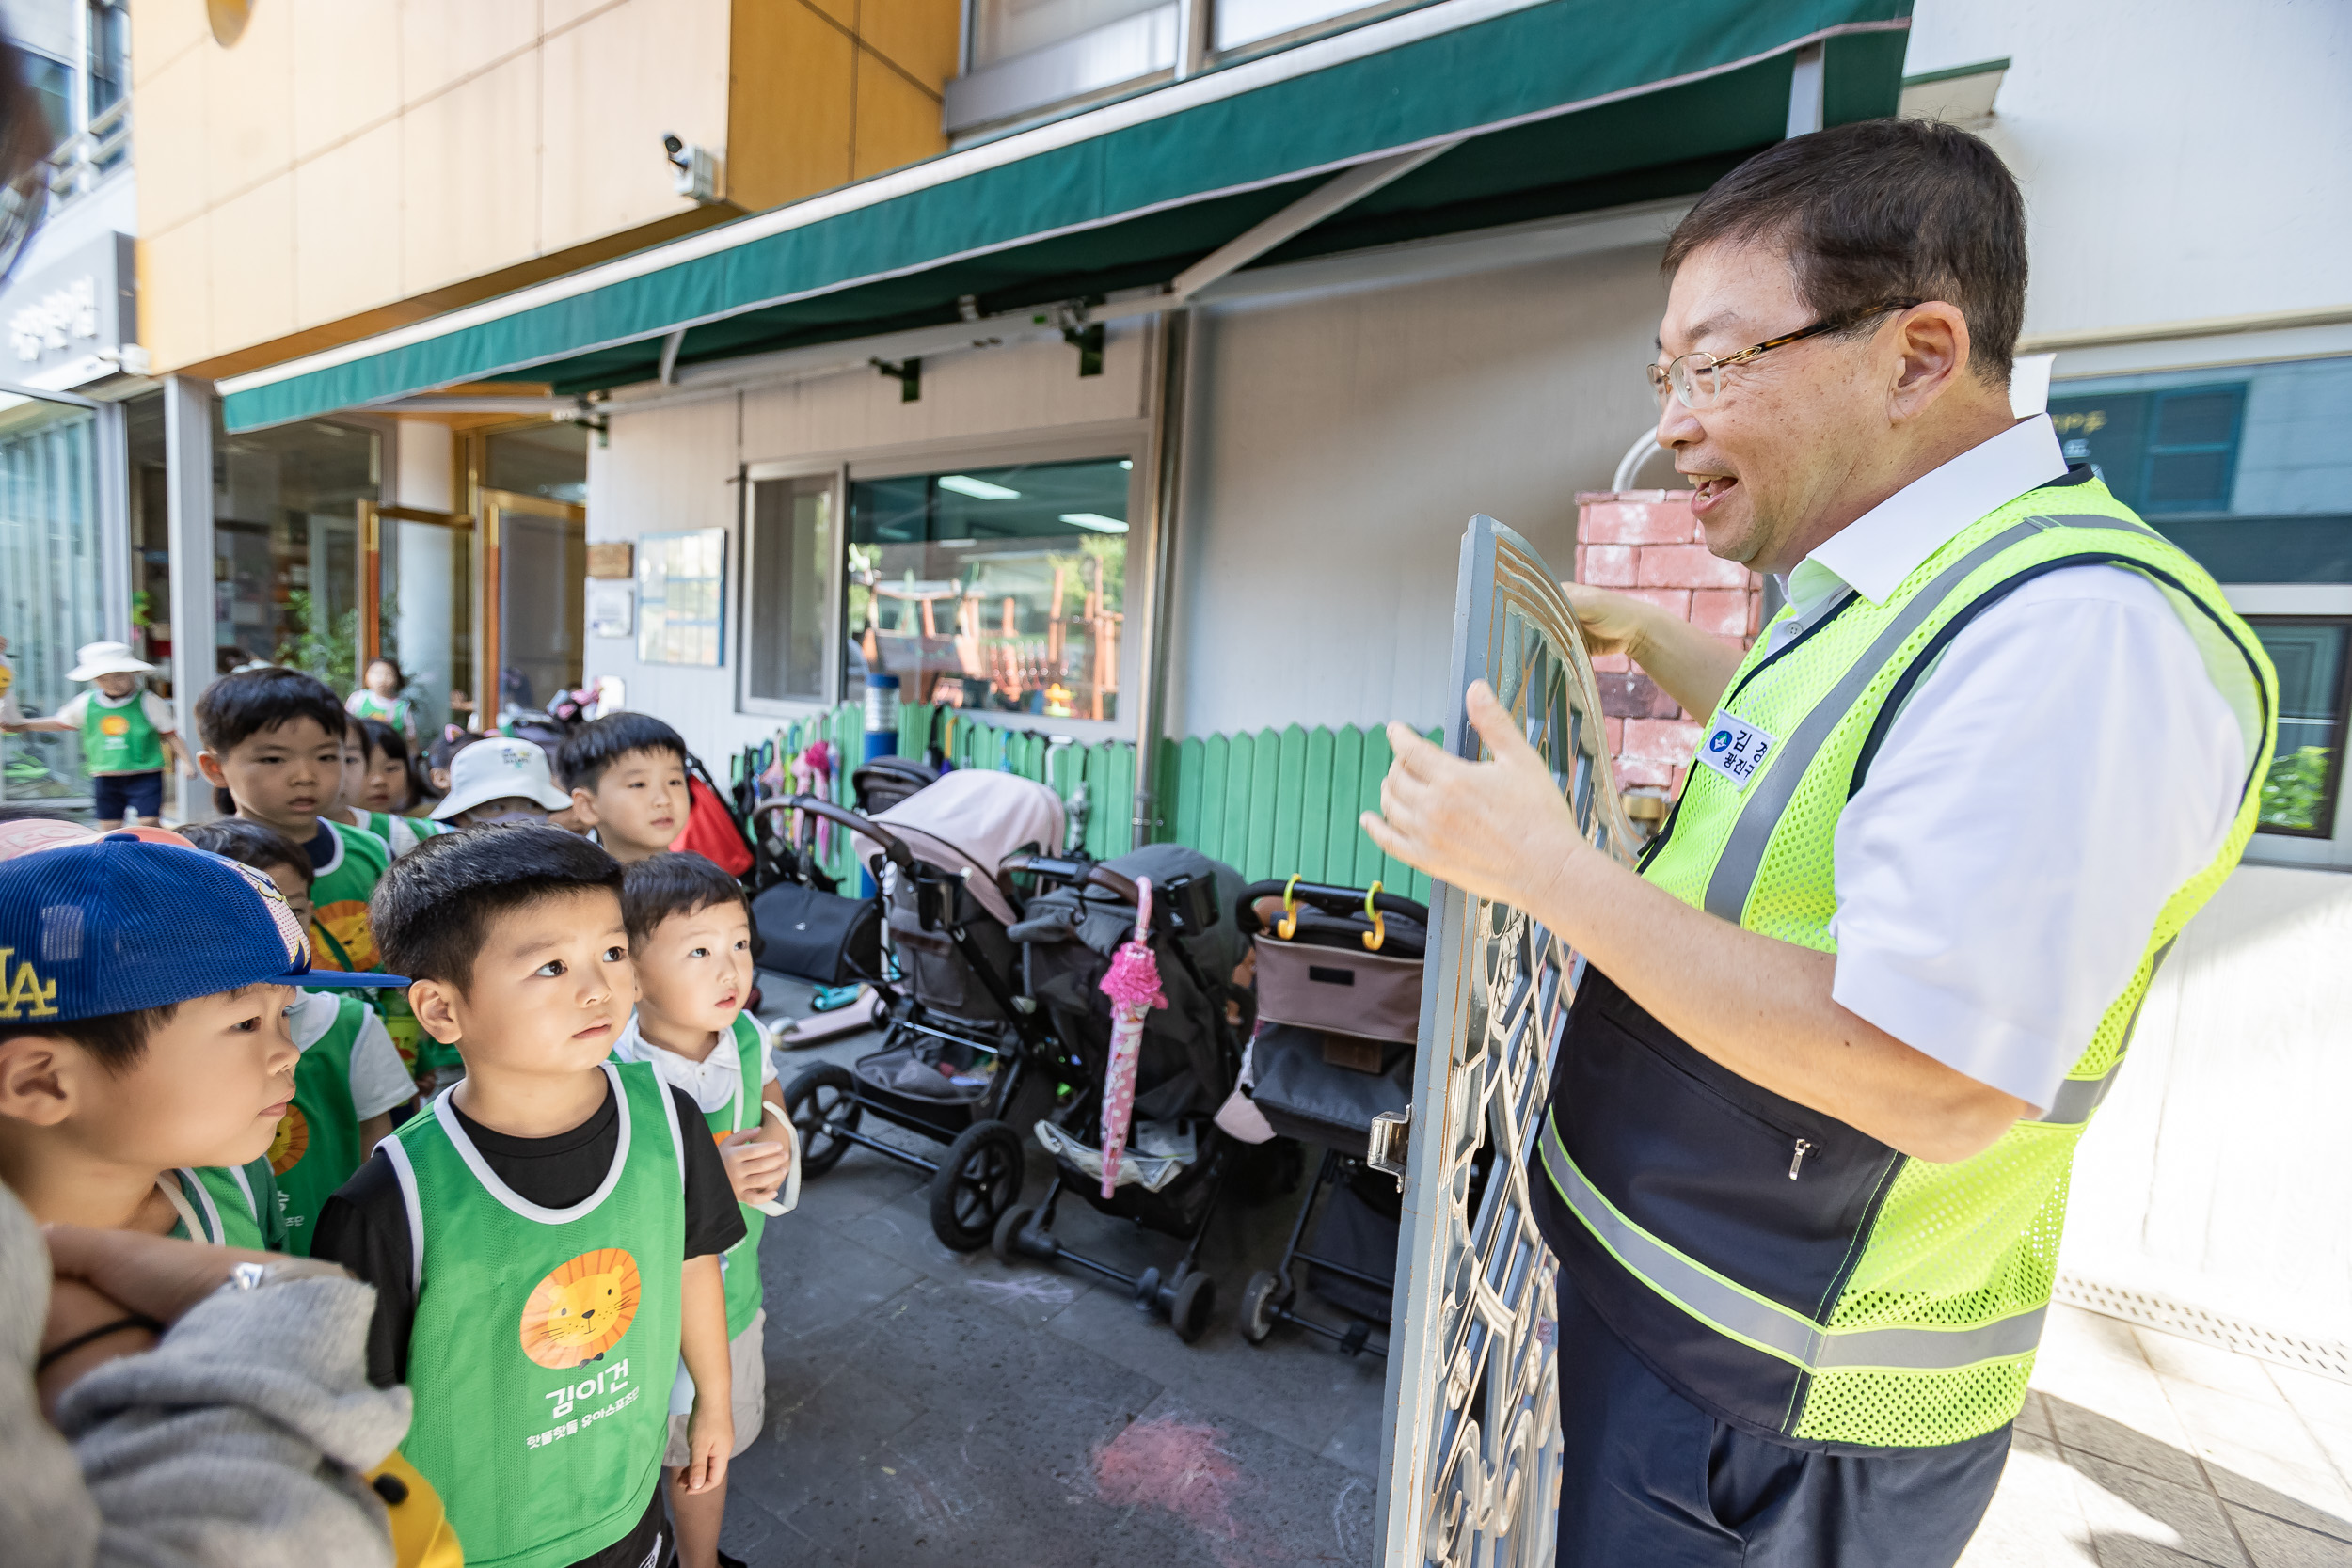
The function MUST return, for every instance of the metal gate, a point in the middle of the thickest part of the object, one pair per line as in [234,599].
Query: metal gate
[1470,1467]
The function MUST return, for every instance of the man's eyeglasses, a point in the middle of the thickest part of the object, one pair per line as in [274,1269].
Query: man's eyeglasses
[1698,379]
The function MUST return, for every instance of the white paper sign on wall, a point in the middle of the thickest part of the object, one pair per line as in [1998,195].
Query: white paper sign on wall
[611,607]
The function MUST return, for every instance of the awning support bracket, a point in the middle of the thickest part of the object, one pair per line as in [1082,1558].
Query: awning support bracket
[1341,190]
[907,372]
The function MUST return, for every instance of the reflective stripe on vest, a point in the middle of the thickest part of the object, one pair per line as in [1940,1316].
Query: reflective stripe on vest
[1768,1326]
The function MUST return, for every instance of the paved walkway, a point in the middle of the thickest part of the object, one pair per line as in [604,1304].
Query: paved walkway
[929,1407]
[2140,1449]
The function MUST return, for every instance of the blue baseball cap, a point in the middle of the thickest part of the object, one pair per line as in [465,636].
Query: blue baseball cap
[89,930]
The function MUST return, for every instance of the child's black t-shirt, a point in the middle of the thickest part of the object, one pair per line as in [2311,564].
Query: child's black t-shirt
[365,1226]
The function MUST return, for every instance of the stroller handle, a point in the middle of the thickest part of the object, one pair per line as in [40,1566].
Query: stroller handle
[894,848]
[1323,897]
[1070,873]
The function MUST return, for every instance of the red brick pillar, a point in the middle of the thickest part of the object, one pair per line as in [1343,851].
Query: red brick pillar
[1644,544]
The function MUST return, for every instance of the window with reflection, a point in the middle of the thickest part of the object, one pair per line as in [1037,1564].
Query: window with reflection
[1000,589]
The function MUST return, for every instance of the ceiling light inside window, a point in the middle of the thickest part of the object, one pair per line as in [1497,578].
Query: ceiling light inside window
[1096,521]
[980,489]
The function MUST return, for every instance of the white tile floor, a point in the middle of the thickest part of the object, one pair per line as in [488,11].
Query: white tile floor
[2138,1450]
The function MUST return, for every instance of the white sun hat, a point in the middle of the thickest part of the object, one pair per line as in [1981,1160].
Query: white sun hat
[495,768]
[106,658]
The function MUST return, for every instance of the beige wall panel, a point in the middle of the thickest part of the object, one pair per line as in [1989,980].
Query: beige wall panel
[788,133]
[175,294]
[346,73]
[347,228]
[897,121]
[167,117]
[554,15]
[467,179]
[613,86]
[917,35]
[441,40]
[160,32]
[248,92]
[253,263]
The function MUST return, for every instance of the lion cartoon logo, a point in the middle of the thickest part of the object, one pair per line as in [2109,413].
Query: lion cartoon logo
[292,1143]
[346,940]
[580,1309]
[114,726]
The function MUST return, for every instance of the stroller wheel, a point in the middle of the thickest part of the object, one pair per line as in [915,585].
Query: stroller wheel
[1005,1244]
[1260,1298]
[1196,1298]
[824,1094]
[978,1178]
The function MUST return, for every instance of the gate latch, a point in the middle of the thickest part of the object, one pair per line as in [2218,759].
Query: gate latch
[1391,1144]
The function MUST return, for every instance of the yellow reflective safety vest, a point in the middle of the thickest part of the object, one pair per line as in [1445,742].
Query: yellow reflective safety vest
[1786,1271]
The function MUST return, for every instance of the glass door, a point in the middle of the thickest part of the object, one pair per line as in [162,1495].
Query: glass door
[536,562]
[418,583]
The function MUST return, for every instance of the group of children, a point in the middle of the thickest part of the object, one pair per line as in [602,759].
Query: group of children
[226,1038]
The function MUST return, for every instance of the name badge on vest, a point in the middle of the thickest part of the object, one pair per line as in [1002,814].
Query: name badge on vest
[1735,748]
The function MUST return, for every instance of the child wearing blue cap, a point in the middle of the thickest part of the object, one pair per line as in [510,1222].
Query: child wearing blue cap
[351,1079]
[145,1058]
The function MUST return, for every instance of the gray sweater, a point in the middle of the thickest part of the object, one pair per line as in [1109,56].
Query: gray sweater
[236,1441]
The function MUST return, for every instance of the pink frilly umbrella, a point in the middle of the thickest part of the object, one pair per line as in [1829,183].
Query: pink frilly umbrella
[1134,987]
[812,774]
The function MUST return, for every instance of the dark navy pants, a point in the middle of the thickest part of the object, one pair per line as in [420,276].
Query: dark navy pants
[1649,1479]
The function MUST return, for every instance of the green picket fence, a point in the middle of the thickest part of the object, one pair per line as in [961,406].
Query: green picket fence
[1267,804]
[1284,802]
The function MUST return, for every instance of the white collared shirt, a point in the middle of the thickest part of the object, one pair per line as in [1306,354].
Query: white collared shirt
[712,1081]
[2057,775]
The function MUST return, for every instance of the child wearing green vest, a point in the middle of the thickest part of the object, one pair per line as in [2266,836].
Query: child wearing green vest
[145,1056]
[380,698]
[545,1238]
[274,750]
[351,1078]
[128,735]
[689,936]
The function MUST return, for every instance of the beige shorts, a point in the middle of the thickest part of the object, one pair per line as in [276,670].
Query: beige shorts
[747,1371]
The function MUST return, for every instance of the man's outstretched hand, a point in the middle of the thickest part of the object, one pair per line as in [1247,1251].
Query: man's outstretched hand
[1498,829]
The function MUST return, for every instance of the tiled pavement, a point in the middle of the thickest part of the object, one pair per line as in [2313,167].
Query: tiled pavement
[926,1407]
[2138,1450]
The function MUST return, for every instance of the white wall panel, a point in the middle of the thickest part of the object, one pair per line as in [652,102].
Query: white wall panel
[1340,445]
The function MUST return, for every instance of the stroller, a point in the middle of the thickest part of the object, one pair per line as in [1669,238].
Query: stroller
[1177,1159]
[1339,994]
[952,1067]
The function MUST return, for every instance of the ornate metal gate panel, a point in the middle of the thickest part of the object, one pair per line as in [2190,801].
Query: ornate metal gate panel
[1469,1468]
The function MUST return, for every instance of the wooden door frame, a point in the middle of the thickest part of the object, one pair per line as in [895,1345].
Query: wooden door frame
[372,518]
[488,505]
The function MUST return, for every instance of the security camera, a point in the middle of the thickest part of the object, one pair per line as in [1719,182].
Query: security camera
[697,168]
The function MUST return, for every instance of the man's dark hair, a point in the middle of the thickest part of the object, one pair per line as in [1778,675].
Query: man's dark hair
[593,748]
[254,844]
[673,884]
[115,1041]
[432,910]
[236,708]
[1877,211]
[35,813]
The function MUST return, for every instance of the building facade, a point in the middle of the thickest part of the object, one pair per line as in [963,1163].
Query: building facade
[1145,392]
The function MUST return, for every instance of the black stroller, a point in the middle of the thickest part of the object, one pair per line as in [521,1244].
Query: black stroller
[957,1059]
[804,926]
[1338,1000]
[1176,1159]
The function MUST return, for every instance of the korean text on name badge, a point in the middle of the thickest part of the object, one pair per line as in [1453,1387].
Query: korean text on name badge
[1735,748]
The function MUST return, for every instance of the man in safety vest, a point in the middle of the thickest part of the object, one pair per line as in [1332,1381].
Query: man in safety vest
[1805,1163]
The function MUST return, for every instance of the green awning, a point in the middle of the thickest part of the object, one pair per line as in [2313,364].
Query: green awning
[1568,105]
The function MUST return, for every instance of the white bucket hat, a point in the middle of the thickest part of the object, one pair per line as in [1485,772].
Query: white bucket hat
[495,769]
[106,658]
